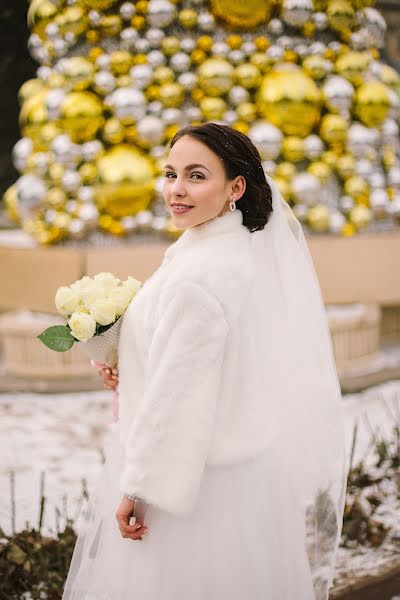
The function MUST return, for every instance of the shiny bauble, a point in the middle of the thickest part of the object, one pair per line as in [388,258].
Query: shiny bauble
[126,181]
[357,188]
[188,18]
[247,112]
[215,76]
[313,147]
[337,222]
[81,115]
[293,148]
[318,218]
[160,13]
[21,152]
[150,131]
[372,103]
[338,94]
[98,4]
[242,15]
[71,181]
[394,177]
[289,99]
[306,189]
[172,95]
[352,66]
[91,150]
[238,94]
[375,24]
[30,89]
[333,129]
[113,131]
[180,62]
[128,104]
[296,12]
[379,203]
[359,140]
[267,138]
[78,71]
[10,199]
[53,102]
[212,108]
[40,14]
[33,116]
[360,216]
[284,187]
[389,76]
[247,76]
[320,170]
[341,17]
[317,66]
[346,165]
[120,62]
[286,170]
[31,192]
[104,82]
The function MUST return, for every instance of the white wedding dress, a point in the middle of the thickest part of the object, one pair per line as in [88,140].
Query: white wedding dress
[243,542]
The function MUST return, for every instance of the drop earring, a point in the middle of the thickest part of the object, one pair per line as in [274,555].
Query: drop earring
[232,205]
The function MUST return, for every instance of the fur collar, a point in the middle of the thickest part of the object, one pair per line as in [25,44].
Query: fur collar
[231,221]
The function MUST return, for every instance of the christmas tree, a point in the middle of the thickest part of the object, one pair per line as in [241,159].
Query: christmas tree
[302,78]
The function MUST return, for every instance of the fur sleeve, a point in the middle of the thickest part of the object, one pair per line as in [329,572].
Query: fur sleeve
[168,442]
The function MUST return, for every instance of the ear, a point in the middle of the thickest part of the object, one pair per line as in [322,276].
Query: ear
[238,187]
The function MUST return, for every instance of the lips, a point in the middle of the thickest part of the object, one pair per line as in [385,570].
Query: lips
[180,205]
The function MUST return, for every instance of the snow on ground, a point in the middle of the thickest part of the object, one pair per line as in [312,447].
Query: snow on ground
[62,435]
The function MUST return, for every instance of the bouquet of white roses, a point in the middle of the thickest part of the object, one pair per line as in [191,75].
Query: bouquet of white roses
[93,307]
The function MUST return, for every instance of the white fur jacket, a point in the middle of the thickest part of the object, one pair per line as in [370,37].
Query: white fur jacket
[189,393]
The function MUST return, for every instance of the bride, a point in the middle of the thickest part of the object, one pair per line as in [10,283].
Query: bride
[229,451]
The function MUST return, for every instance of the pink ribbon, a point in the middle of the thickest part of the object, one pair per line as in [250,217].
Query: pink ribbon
[115,394]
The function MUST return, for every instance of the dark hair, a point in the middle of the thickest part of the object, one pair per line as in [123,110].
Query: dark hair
[239,157]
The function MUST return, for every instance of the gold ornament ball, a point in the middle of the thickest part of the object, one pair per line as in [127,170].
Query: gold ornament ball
[10,198]
[113,131]
[120,62]
[320,170]
[293,148]
[79,72]
[341,16]
[81,115]
[170,45]
[163,75]
[234,41]
[242,127]
[318,218]
[111,225]
[316,66]
[212,108]
[40,14]
[56,171]
[188,18]
[261,60]
[242,15]
[246,111]
[346,166]
[389,76]
[126,181]
[56,197]
[172,95]
[215,76]
[111,25]
[372,103]
[285,170]
[360,216]
[88,173]
[352,66]
[205,43]
[333,129]
[284,187]
[29,89]
[248,75]
[357,188]
[330,158]
[98,4]
[289,99]
[34,116]
[72,19]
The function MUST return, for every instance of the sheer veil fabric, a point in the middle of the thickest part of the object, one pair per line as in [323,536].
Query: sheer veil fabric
[308,419]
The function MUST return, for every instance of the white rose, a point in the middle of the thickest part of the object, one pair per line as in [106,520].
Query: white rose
[90,293]
[120,296]
[80,284]
[103,312]
[132,284]
[83,326]
[66,300]
[106,280]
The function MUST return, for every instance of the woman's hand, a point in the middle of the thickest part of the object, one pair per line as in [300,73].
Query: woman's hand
[109,375]
[124,513]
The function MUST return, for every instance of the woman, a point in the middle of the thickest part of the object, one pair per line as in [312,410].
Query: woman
[229,450]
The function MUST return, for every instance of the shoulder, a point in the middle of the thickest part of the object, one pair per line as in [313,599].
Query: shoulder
[220,268]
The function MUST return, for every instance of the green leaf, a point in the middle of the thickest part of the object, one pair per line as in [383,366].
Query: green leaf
[58,338]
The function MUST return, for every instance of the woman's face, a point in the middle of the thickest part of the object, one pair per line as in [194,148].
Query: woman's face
[195,178]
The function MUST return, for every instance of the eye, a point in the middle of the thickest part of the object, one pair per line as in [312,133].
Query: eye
[167,175]
[197,175]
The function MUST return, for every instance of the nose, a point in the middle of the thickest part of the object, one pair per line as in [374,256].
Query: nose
[178,187]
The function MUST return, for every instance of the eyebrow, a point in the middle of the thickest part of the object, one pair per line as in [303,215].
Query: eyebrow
[188,167]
